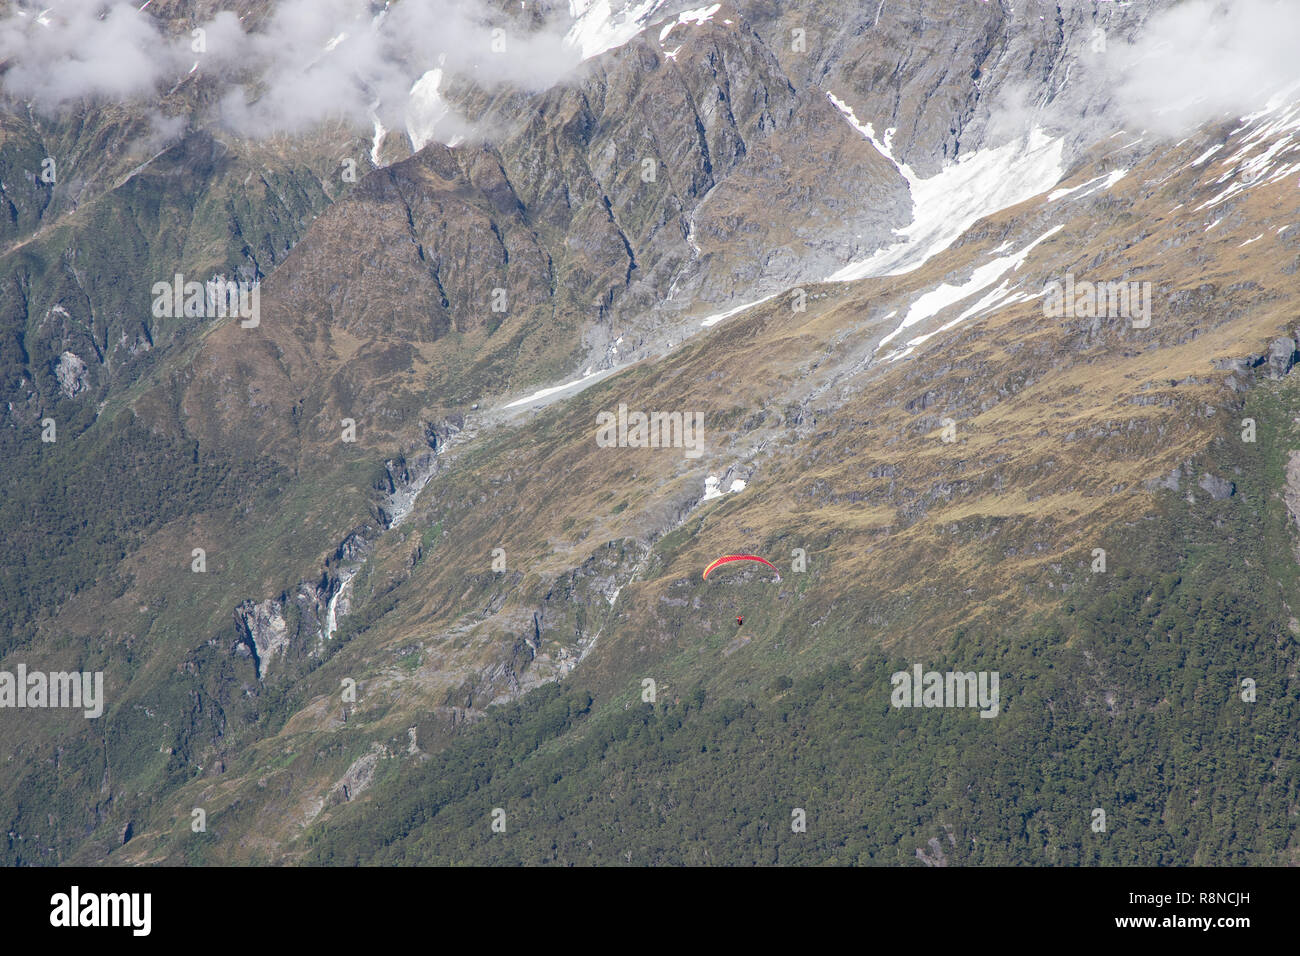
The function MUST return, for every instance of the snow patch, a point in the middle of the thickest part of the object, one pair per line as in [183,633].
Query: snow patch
[847,111]
[425,109]
[1274,128]
[588,378]
[715,319]
[597,27]
[1090,187]
[711,490]
[936,300]
[331,610]
[950,202]
[376,140]
[697,17]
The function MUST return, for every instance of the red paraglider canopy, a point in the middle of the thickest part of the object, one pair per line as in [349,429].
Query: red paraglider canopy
[727,558]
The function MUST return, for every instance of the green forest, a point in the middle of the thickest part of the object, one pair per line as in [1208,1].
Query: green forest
[71,507]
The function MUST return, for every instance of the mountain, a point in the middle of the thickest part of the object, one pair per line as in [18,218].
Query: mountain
[997,378]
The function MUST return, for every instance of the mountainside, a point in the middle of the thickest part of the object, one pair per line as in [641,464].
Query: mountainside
[999,379]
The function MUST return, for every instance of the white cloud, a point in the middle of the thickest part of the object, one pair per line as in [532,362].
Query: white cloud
[310,61]
[1205,60]
[83,47]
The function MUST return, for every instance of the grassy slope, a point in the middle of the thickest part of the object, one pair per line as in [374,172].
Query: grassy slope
[1126,698]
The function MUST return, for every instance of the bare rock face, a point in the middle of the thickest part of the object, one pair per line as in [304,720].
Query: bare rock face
[943,73]
[1172,481]
[677,175]
[1274,363]
[358,776]
[935,855]
[1217,488]
[70,371]
[1291,492]
[1281,357]
[808,223]
[264,632]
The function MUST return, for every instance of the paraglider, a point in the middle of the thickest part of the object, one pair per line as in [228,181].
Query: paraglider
[728,558]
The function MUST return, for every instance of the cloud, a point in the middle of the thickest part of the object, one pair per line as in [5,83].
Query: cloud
[309,62]
[1206,60]
[373,62]
[82,48]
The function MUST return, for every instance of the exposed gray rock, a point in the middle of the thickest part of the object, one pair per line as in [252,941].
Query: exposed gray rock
[1281,357]
[944,107]
[1238,364]
[1170,481]
[1291,493]
[1278,360]
[358,777]
[70,371]
[1218,488]
[264,631]
[936,856]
